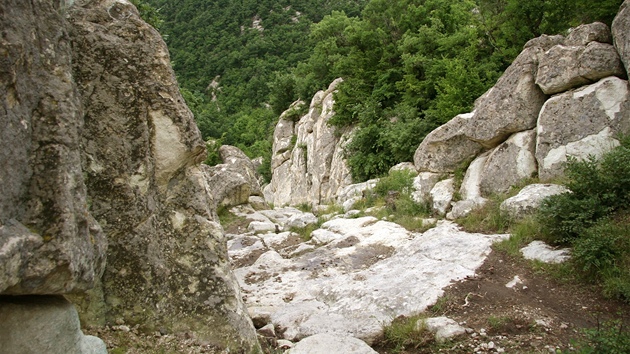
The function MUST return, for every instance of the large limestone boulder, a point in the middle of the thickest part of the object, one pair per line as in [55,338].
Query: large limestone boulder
[236,159]
[529,199]
[621,33]
[581,123]
[49,241]
[422,185]
[509,163]
[43,324]
[587,33]
[167,259]
[512,105]
[442,194]
[447,147]
[470,190]
[233,181]
[585,57]
[228,186]
[308,164]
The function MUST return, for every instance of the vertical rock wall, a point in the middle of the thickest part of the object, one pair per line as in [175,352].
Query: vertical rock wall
[101,158]
[49,242]
[167,260]
[307,162]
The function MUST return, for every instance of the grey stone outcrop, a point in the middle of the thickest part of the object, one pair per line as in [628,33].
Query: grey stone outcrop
[581,123]
[308,163]
[587,33]
[49,241]
[581,61]
[142,155]
[101,156]
[529,199]
[509,163]
[516,131]
[235,180]
[447,147]
[512,105]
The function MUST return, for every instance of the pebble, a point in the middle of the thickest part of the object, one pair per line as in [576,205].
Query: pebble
[285,344]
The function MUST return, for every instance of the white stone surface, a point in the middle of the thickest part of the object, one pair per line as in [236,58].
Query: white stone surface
[443,327]
[364,273]
[528,200]
[540,251]
[422,185]
[325,343]
[301,221]
[514,282]
[442,195]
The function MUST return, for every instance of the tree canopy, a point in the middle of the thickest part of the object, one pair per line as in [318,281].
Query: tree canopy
[408,65]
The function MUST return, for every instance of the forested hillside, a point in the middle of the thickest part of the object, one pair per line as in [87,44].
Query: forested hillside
[408,65]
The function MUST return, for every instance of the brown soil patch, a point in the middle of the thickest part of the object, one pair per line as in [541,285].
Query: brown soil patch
[541,315]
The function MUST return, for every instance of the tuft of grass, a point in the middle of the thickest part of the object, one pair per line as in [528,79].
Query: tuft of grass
[441,306]
[305,207]
[404,333]
[305,233]
[392,194]
[487,219]
[227,218]
[522,232]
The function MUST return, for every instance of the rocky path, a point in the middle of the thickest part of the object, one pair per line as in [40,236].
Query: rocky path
[353,276]
[335,292]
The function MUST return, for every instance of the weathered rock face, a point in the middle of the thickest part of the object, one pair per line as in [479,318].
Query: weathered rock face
[167,258]
[512,105]
[49,242]
[581,123]
[307,158]
[509,163]
[585,57]
[445,148]
[515,132]
[43,324]
[236,159]
[233,181]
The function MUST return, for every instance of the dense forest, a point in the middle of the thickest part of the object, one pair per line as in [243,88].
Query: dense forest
[408,65]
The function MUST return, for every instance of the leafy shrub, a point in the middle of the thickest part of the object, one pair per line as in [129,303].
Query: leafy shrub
[610,337]
[598,188]
[594,219]
[398,181]
[393,195]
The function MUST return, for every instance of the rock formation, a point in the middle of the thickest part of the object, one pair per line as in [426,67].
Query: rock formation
[307,158]
[516,131]
[233,181]
[49,242]
[102,156]
[352,277]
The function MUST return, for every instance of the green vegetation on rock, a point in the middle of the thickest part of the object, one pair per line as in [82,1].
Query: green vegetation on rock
[409,65]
